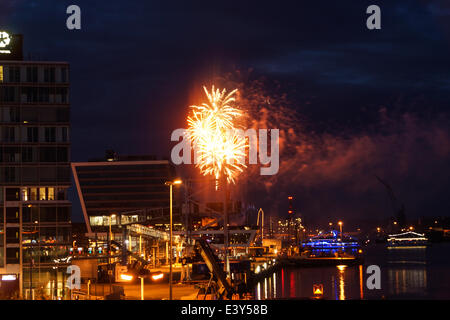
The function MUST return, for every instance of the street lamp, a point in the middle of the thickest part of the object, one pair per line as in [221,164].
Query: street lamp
[142,288]
[109,252]
[171,184]
[32,261]
[340,227]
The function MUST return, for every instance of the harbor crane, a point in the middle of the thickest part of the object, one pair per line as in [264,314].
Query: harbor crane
[399,210]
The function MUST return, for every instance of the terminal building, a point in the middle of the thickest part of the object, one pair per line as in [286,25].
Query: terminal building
[117,190]
[35,214]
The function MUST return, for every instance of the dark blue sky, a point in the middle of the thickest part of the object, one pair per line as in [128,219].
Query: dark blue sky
[137,65]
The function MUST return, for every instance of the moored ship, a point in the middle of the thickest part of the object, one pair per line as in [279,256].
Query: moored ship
[407,239]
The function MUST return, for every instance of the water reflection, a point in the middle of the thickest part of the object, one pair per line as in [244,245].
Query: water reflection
[407,272]
[407,281]
[274,277]
[298,283]
[361,282]
[404,274]
[341,282]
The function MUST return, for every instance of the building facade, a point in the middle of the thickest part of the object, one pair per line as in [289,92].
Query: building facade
[120,190]
[35,214]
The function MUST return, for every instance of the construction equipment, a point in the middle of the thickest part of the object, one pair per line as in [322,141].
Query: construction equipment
[224,286]
[399,210]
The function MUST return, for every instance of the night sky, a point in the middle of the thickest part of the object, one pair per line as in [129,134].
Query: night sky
[363,102]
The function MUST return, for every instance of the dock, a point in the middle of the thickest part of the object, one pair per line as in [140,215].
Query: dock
[264,268]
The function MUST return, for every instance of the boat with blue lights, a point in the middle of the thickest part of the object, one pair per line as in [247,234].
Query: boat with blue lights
[331,248]
[331,241]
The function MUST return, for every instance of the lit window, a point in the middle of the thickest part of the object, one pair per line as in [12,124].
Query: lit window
[51,194]
[24,194]
[1,73]
[42,194]
[33,193]
[97,221]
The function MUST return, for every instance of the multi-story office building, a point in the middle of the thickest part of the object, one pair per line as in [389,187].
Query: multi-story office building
[35,214]
[129,188]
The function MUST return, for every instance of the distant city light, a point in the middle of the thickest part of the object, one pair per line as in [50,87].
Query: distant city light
[126,277]
[9,277]
[158,276]
[341,267]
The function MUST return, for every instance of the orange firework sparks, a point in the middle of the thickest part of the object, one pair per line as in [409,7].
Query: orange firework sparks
[220,150]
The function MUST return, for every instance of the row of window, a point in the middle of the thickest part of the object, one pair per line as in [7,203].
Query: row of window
[41,193]
[35,193]
[143,188]
[35,175]
[33,154]
[35,213]
[38,235]
[43,254]
[123,167]
[46,74]
[34,114]
[34,95]
[34,134]
[113,220]
[125,197]
[124,204]
[124,174]
[123,182]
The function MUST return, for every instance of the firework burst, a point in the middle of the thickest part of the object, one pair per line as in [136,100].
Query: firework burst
[220,149]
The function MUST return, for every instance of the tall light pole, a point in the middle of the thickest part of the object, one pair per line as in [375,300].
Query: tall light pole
[170,184]
[142,288]
[225,223]
[109,252]
[32,262]
[340,227]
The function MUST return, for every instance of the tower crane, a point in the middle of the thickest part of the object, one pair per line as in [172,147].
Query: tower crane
[399,210]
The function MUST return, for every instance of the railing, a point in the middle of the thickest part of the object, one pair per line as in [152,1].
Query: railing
[150,232]
[81,295]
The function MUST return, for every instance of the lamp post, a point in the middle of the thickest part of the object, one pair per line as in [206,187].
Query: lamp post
[142,288]
[109,252]
[170,184]
[225,224]
[32,261]
[340,227]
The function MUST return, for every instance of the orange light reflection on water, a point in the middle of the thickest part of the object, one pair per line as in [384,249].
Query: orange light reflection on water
[361,282]
[341,282]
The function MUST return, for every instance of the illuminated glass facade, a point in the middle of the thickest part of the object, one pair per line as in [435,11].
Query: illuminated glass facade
[35,215]
[132,187]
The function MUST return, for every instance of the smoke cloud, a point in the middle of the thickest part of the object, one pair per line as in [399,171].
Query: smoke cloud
[331,173]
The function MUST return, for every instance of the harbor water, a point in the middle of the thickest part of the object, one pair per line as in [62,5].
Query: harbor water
[406,273]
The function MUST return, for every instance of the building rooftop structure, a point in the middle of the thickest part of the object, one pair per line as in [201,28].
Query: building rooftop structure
[130,187]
